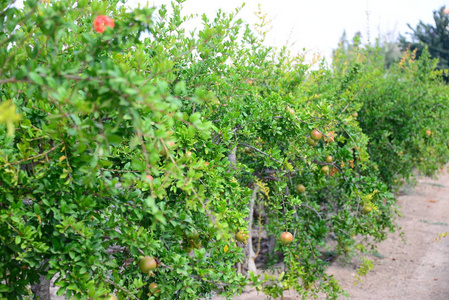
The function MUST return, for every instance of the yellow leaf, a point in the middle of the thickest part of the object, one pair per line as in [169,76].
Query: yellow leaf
[264,189]
[9,116]
[225,249]
[62,158]
[441,236]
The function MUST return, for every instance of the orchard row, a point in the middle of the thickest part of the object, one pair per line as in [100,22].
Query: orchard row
[182,165]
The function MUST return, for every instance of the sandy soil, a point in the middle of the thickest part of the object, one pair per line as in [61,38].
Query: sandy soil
[417,269]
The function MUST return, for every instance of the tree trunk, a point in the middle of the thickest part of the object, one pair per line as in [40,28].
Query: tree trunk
[41,290]
[250,264]
[232,157]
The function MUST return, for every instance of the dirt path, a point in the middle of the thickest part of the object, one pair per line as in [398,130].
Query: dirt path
[415,270]
[419,268]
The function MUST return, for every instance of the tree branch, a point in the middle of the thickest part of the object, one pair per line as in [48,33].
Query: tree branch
[260,151]
[39,155]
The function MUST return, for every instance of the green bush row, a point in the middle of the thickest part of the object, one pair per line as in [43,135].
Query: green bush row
[116,149]
[404,112]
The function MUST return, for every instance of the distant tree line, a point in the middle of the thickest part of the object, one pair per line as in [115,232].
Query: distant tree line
[433,36]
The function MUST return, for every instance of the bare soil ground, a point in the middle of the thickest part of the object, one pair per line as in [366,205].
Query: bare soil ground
[414,269]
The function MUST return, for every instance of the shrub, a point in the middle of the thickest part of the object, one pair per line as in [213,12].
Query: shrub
[403,113]
[115,147]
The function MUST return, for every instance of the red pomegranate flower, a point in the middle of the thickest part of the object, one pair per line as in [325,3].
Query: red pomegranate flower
[101,22]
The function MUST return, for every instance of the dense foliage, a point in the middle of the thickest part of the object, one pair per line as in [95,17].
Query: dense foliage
[147,167]
[404,112]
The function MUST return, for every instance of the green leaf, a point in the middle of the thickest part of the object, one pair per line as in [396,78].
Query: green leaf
[115,139]
[5,289]
[36,78]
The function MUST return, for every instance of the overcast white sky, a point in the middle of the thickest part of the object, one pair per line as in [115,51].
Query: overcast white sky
[317,25]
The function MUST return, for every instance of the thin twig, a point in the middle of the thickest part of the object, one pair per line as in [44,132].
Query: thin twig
[13,228]
[311,208]
[120,171]
[121,288]
[260,151]
[39,155]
